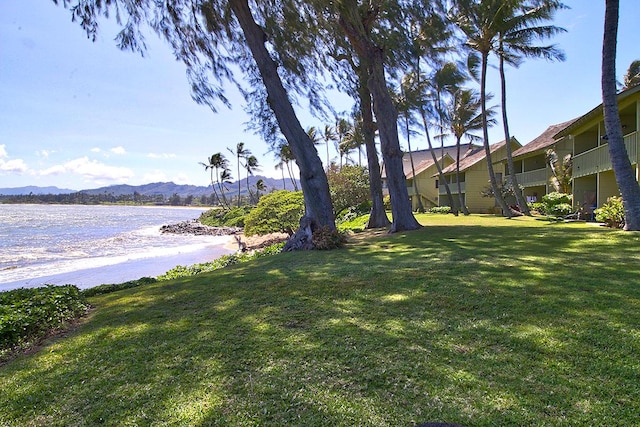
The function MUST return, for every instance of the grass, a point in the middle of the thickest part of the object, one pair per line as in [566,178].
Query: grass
[479,321]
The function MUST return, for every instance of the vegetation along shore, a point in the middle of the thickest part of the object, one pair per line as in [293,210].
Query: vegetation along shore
[472,320]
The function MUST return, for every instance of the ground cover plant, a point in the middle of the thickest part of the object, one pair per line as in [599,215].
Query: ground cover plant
[475,320]
[26,315]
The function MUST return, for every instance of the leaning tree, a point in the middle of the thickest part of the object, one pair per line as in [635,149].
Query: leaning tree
[622,169]
[216,36]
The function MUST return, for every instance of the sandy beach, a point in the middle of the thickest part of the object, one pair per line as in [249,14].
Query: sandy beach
[128,270]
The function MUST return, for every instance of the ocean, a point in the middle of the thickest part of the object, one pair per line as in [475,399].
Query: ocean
[91,245]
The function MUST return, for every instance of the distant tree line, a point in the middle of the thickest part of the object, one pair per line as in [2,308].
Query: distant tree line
[82,198]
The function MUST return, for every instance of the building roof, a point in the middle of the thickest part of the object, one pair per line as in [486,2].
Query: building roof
[544,140]
[474,157]
[594,113]
[422,159]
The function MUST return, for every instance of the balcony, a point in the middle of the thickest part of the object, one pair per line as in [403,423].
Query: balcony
[532,178]
[597,159]
[453,187]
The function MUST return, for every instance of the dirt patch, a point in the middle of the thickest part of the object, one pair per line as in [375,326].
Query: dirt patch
[257,242]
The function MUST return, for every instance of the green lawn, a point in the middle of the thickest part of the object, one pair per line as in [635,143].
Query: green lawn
[480,321]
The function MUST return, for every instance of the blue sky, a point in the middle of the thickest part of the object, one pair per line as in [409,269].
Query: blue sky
[77,114]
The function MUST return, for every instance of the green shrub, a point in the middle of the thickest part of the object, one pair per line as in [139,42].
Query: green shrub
[611,213]
[108,288]
[356,224]
[556,204]
[218,217]
[440,210]
[218,263]
[325,239]
[539,207]
[27,315]
[277,212]
[561,209]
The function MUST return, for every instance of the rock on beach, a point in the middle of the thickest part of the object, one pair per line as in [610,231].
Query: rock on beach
[196,228]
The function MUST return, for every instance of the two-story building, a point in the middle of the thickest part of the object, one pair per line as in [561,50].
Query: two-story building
[593,180]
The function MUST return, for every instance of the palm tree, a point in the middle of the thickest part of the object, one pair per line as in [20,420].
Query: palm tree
[477,21]
[328,135]
[625,176]
[260,186]
[342,128]
[240,153]
[561,170]
[224,178]
[632,76]
[463,117]
[518,30]
[286,157]
[405,103]
[211,166]
[251,165]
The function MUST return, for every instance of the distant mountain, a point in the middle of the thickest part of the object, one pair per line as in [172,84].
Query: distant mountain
[166,189]
[32,189]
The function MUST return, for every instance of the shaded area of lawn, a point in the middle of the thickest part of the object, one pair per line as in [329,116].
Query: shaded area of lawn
[479,321]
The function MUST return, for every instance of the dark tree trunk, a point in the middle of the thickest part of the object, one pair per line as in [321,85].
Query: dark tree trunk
[463,205]
[625,178]
[312,175]
[524,208]
[378,216]
[441,177]
[386,116]
[506,211]
[387,119]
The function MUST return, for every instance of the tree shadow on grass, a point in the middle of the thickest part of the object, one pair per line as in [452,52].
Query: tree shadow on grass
[471,326]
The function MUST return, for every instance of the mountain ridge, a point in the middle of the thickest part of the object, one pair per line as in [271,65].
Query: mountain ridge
[166,189]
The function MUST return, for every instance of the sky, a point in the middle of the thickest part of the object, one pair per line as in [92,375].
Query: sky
[78,114]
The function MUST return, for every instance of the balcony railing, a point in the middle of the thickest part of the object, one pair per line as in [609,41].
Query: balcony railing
[598,160]
[532,178]
[453,187]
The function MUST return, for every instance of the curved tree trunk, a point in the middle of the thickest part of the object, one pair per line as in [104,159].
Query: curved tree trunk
[622,169]
[413,168]
[524,208]
[506,211]
[312,175]
[463,205]
[378,216]
[386,115]
[442,179]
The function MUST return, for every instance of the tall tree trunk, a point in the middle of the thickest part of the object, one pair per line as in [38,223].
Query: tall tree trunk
[446,184]
[506,211]
[377,217]
[413,168]
[313,178]
[524,208]
[386,115]
[463,205]
[625,178]
[441,177]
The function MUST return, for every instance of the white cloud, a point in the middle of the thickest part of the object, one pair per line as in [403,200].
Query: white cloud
[13,165]
[44,153]
[96,150]
[118,150]
[16,165]
[161,155]
[91,169]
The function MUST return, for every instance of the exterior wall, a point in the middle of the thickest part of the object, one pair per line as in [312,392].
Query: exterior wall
[582,187]
[607,187]
[426,181]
